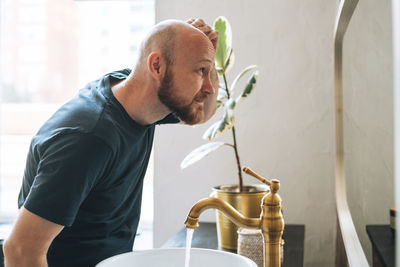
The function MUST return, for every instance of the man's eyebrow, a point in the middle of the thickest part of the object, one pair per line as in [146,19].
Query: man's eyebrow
[205,60]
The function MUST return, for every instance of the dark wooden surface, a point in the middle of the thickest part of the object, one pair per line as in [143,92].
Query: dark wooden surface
[382,239]
[206,237]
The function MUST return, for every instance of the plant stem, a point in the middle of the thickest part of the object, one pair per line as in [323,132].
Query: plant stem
[226,84]
[239,166]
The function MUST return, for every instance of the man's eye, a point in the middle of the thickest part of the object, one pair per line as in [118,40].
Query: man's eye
[202,70]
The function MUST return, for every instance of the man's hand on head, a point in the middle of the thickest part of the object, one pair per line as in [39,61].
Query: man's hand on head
[207,30]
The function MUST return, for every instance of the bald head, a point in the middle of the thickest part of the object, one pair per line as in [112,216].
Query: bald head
[164,37]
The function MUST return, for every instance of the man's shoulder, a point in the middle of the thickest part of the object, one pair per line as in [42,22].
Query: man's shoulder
[85,114]
[81,113]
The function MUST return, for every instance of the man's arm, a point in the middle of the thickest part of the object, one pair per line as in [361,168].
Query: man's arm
[29,240]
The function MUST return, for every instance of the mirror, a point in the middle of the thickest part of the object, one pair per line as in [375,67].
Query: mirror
[368,123]
[368,117]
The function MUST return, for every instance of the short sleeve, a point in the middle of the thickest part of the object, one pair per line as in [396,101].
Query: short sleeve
[68,169]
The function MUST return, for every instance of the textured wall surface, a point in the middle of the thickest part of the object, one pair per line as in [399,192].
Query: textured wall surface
[368,111]
[284,129]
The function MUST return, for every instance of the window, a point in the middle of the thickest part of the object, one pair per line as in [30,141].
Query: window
[48,50]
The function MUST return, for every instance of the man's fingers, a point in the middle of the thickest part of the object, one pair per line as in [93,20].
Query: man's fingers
[199,22]
[196,22]
[206,29]
[213,36]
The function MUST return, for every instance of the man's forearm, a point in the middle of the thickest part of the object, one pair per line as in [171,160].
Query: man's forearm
[25,261]
[33,263]
[18,257]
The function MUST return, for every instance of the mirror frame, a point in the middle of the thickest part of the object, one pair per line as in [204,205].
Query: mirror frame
[349,251]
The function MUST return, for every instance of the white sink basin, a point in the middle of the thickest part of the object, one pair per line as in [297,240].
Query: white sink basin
[175,257]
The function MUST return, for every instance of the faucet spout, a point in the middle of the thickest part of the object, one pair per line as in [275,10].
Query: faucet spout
[192,220]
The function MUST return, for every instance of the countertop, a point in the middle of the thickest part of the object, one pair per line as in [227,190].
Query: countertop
[206,237]
[383,243]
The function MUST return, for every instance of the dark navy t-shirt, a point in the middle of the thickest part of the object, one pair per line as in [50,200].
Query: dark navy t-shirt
[85,170]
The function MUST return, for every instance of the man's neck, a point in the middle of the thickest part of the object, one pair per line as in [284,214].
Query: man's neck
[140,100]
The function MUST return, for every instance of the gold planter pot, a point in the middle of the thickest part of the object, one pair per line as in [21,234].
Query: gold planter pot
[247,202]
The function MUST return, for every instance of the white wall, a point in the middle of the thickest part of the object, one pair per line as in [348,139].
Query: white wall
[284,129]
[368,110]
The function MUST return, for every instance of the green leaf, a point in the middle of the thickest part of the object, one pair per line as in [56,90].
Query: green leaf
[222,93]
[222,96]
[251,83]
[246,70]
[200,153]
[228,109]
[209,132]
[224,46]
[223,125]
[220,103]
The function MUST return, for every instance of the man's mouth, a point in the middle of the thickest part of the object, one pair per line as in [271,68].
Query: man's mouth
[200,99]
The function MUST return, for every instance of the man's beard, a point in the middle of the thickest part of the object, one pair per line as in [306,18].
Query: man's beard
[187,113]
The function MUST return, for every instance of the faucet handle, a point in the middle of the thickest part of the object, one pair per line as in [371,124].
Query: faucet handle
[275,185]
[257,176]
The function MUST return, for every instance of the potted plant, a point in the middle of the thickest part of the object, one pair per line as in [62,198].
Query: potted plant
[245,198]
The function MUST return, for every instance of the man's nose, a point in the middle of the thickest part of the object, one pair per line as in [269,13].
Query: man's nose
[207,86]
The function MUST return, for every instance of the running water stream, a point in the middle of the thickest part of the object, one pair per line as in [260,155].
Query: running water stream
[189,236]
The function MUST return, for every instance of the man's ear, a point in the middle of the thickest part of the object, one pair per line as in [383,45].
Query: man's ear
[156,65]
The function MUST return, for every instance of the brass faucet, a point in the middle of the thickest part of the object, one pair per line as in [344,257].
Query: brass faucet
[270,221]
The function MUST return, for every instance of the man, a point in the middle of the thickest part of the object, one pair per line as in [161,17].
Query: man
[81,193]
